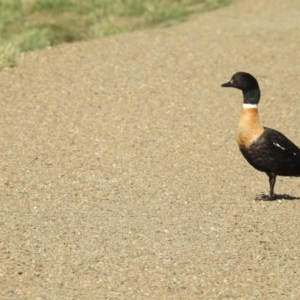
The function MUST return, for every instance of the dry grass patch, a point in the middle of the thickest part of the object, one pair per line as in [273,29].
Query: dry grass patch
[35,24]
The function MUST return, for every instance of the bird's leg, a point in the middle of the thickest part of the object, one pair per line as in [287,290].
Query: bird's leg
[272,181]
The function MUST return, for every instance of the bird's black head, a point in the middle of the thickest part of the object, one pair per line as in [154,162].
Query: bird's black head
[242,81]
[248,84]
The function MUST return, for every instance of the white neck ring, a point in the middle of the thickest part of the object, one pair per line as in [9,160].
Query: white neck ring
[247,105]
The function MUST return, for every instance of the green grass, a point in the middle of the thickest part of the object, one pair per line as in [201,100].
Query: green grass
[27,25]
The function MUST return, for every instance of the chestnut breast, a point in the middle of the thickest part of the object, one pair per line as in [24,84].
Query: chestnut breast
[249,128]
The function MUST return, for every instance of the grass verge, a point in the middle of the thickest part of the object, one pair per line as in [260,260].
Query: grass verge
[27,25]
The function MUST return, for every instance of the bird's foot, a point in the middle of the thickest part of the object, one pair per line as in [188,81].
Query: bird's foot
[264,197]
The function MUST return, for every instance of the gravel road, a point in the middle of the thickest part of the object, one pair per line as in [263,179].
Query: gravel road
[120,173]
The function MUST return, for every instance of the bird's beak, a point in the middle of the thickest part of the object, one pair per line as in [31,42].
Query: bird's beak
[227,84]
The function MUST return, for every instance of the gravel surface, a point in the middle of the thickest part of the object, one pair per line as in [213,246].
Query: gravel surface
[121,177]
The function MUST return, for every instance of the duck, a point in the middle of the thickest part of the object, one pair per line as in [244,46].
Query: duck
[265,149]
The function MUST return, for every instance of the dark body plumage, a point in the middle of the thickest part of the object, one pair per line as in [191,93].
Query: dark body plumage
[273,152]
[267,150]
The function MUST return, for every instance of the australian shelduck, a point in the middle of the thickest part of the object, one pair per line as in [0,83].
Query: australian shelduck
[267,150]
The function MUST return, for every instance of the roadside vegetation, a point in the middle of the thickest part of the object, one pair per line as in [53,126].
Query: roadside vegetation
[27,25]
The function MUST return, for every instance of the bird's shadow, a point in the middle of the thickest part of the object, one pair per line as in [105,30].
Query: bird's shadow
[264,197]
